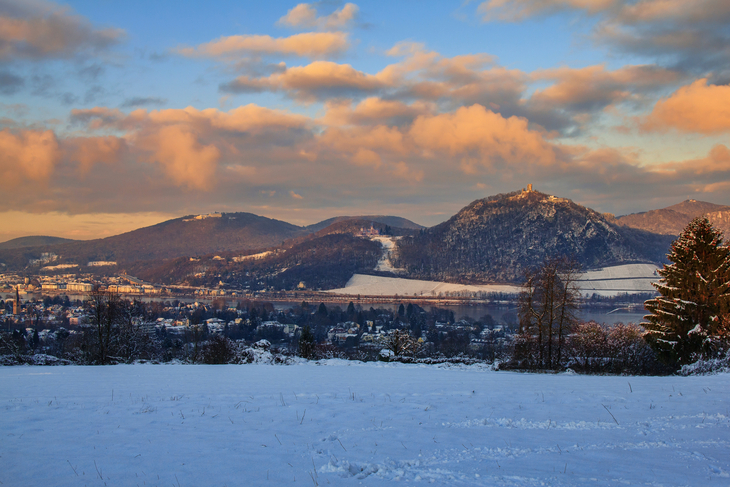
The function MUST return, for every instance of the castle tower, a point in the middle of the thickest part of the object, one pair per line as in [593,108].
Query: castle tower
[529,188]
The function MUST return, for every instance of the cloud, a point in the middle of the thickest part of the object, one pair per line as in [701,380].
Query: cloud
[188,145]
[88,151]
[373,111]
[516,10]
[688,35]
[41,30]
[308,44]
[10,83]
[304,15]
[375,154]
[708,174]
[697,108]
[594,87]
[697,11]
[421,75]
[143,101]
[97,117]
[424,81]
[185,160]
[402,171]
[577,96]
[482,137]
[27,155]
[320,79]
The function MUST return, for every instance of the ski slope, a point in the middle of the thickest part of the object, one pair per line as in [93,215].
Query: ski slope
[350,424]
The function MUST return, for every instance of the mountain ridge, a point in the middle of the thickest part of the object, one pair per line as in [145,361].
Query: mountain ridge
[33,241]
[673,219]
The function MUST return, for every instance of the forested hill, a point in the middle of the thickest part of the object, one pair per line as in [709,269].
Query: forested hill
[496,238]
[380,221]
[187,236]
[32,241]
[673,219]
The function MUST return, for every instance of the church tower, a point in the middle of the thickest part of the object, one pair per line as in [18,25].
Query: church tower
[16,303]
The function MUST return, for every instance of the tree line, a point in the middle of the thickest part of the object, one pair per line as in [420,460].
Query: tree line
[688,321]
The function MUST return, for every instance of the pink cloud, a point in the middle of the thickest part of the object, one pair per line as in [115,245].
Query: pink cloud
[308,44]
[305,15]
[28,155]
[697,108]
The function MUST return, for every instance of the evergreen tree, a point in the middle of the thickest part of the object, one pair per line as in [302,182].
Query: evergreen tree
[306,343]
[689,319]
[351,311]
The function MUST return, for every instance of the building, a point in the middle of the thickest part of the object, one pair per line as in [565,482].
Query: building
[16,303]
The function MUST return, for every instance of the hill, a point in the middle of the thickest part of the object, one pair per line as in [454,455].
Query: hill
[186,236]
[673,219]
[324,259]
[191,236]
[495,239]
[33,241]
[391,221]
[320,262]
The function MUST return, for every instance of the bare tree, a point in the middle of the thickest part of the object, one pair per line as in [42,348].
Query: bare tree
[400,342]
[548,306]
[105,314]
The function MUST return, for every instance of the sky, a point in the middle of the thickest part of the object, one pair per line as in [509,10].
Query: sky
[118,115]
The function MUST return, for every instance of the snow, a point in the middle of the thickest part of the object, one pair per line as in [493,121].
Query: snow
[390,286]
[608,281]
[58,267]
[625,271]
[626,278]
[388,244]
[258,256]
[348,423]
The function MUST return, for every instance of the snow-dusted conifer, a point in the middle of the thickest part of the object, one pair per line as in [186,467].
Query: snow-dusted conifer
[689,319]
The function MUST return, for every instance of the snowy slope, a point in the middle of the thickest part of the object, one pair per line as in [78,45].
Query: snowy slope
[388,244]
[628,278]
[345,423]
[390,286]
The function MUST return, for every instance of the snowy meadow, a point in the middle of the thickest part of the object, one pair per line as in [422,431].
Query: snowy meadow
[349,423]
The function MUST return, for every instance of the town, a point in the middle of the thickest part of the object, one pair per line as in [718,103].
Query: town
[48,321]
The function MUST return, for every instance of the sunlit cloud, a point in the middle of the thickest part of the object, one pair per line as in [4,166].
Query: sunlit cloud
[27,156]
[698,108]
[305,15]
[308,44]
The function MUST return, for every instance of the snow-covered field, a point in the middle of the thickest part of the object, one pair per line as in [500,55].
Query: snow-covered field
[347,423]
[627,278]
[390,286]
[609,281]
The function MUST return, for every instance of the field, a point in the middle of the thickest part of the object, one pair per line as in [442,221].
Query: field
[609,281]
[348,423]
